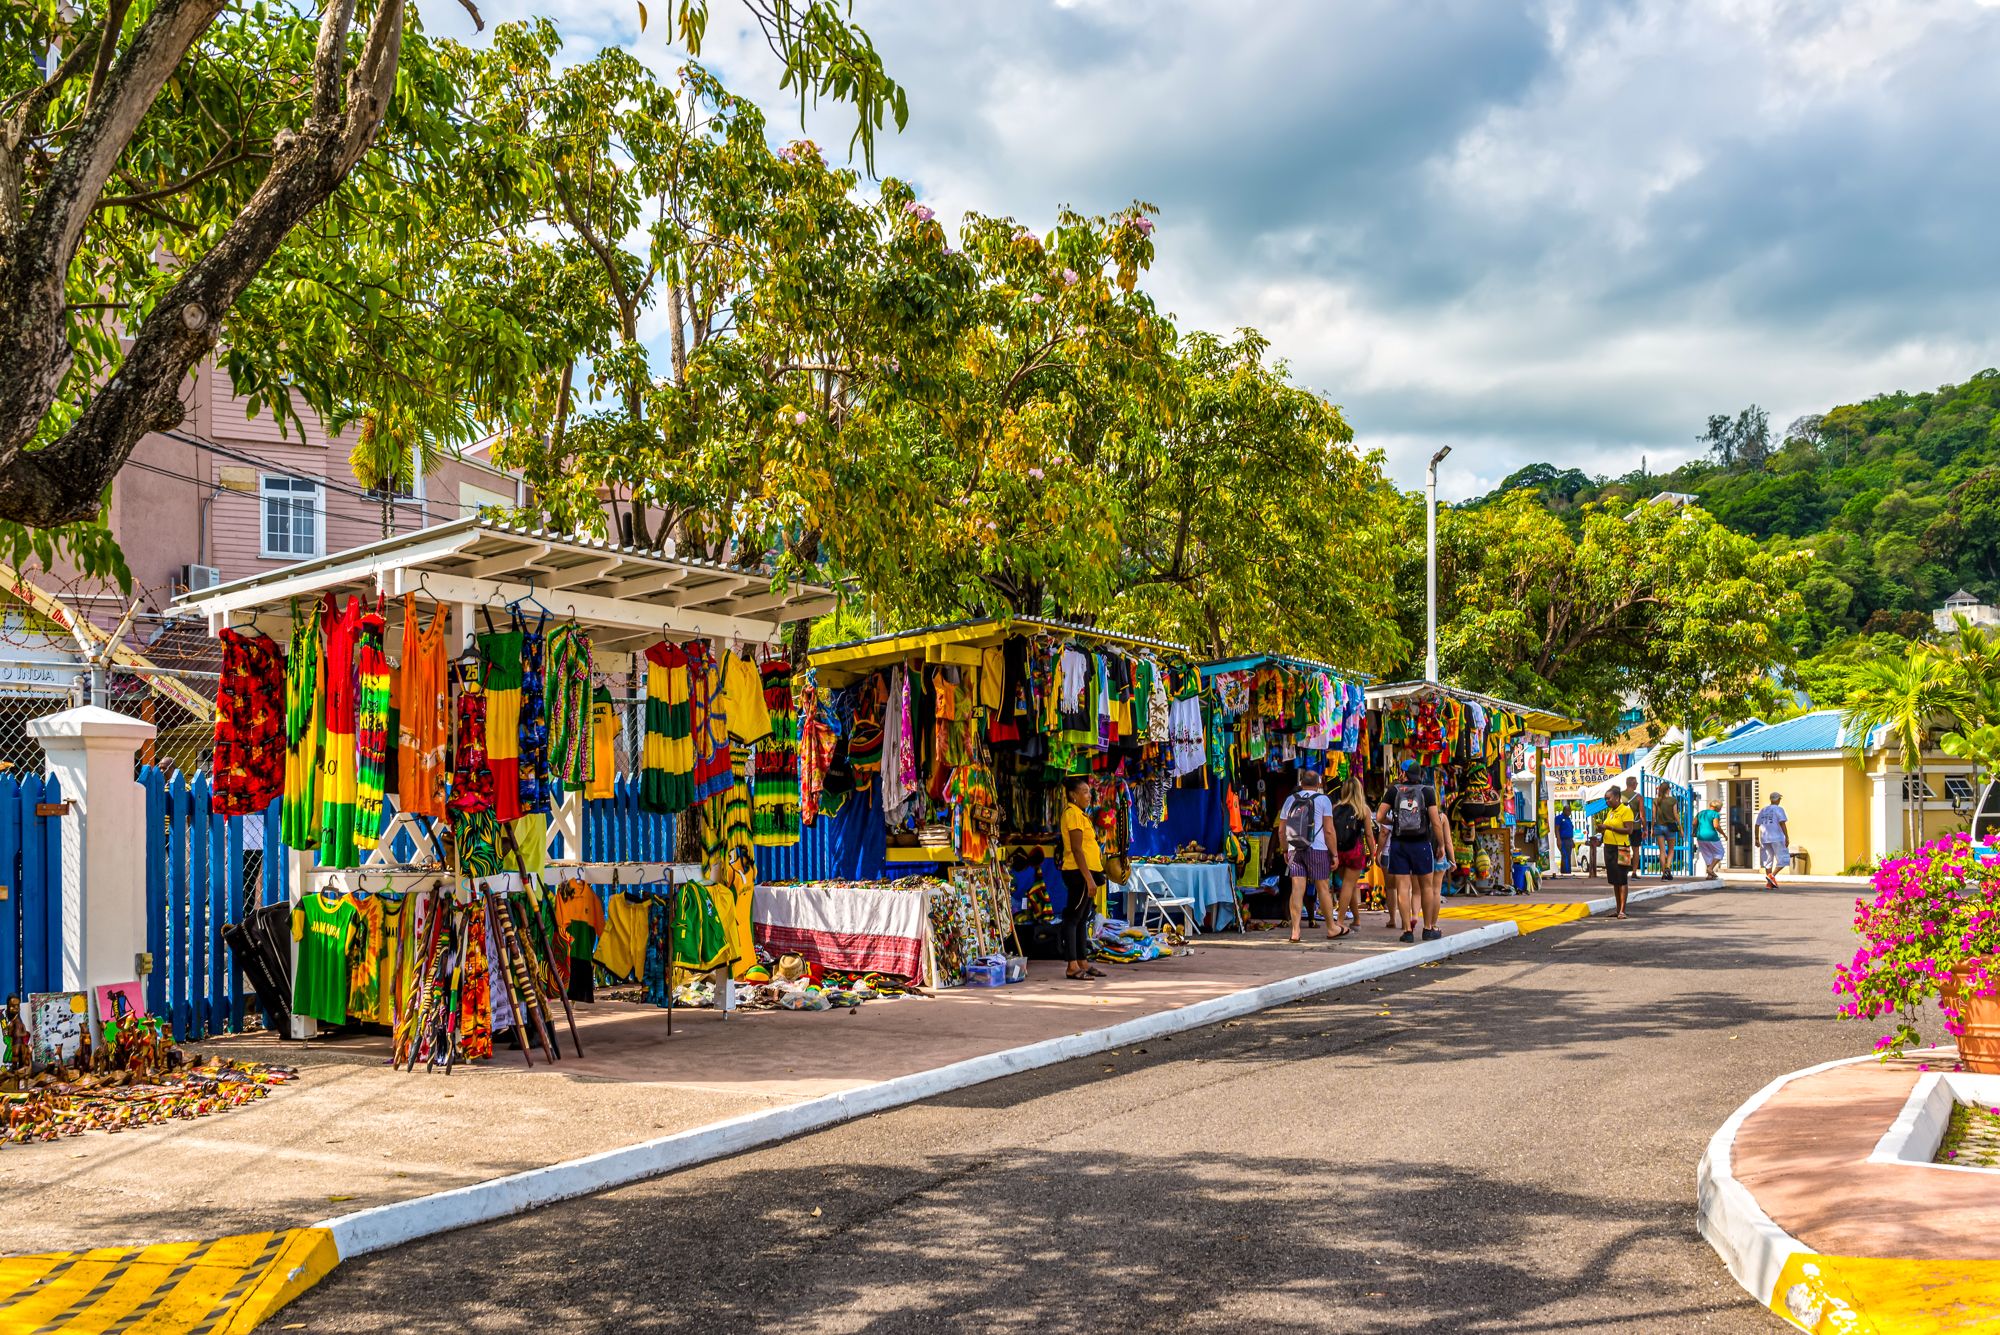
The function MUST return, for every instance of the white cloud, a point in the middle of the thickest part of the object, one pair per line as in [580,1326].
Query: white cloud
[1563,230]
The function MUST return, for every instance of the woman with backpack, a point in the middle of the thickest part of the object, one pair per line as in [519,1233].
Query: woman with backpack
[1305,832]
[1354,833]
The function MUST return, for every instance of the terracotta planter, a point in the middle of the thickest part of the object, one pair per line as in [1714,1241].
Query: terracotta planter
[1979,1017]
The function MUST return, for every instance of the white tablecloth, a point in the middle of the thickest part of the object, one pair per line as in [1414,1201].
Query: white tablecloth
[1211,885]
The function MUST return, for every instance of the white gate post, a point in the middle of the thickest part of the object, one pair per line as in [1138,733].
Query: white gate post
[103,841]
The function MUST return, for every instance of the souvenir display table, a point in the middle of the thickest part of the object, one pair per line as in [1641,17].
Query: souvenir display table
[1211,885]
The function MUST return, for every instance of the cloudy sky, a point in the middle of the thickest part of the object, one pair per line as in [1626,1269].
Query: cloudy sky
[1547,231]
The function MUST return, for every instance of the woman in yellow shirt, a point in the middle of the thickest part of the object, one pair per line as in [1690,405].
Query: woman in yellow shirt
[1082,862]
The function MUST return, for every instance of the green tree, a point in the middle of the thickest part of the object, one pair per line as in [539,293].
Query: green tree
[1249,521]
[1910,700]
[1662,605]
[207,131]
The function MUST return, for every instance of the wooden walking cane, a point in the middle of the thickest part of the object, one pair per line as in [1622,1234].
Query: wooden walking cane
[530,1009]
[537,930]
[510,982]
[507,835]
[410,1032]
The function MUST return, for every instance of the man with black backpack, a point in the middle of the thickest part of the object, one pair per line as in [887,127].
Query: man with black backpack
[1416,832]
[1305,831]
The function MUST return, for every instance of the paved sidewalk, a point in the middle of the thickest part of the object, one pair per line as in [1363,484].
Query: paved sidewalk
[351,1133]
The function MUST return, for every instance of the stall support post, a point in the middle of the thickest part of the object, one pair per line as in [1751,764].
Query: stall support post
[1545,792]
[89,751]
[298,884]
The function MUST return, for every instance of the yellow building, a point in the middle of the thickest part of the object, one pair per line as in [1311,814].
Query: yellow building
[1842,812]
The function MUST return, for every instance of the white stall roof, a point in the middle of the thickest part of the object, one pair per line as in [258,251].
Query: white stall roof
[628,596]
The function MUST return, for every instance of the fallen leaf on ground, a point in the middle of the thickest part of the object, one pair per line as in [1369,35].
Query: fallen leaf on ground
[815,1212]
[340,1198]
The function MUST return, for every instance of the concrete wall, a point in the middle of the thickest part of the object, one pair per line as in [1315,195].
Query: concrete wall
[1841,813]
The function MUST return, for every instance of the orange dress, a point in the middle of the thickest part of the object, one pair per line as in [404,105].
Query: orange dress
[423,732]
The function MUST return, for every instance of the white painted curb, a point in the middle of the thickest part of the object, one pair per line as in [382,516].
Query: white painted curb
[399,1222]
[1753,1246]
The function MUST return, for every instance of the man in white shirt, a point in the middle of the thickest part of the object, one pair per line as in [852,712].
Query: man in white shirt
[1774,841]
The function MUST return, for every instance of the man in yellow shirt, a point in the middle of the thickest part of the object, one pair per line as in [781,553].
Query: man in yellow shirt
[1618,823]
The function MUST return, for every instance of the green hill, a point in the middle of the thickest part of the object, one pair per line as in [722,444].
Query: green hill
[1898,497]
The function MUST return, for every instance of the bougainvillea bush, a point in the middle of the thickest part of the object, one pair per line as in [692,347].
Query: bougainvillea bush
[1935,914]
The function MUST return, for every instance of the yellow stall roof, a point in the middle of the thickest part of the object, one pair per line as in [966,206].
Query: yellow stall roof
[957,642]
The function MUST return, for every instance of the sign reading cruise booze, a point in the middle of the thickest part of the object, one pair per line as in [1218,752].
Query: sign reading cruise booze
[1582,763]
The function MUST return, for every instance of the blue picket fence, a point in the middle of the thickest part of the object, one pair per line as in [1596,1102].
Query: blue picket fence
[31,910]
[812,858]
[616,830]
[194,887]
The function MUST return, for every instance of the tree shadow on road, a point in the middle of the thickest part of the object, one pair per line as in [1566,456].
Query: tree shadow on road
[1034,1239]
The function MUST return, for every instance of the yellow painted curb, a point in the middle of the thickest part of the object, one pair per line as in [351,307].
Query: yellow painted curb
[223,1287]
[1530,917]
[1869,1295]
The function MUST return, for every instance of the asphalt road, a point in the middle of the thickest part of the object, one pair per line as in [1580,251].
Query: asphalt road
[1504,1142]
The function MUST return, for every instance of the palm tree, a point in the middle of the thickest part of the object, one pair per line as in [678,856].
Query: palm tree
[1908,699]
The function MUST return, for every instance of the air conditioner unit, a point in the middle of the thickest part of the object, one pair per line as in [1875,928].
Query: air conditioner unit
[197,578]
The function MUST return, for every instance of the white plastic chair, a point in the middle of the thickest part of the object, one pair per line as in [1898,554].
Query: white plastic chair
[1158,900]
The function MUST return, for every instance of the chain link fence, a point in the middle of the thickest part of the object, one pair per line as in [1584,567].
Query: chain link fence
[179,703]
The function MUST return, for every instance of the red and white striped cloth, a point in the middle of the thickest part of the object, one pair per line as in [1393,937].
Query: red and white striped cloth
[865,931]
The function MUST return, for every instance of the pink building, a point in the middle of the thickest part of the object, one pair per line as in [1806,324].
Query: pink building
[225,496]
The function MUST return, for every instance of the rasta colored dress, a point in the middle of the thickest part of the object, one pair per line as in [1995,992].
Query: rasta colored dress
[338,767]
[371,730]
[500,675]
[666,779]
[774,820]
[304,730]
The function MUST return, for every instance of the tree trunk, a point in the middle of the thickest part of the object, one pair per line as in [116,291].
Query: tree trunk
[65,481]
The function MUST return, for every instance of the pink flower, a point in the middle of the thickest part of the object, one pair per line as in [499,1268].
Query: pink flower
[1069,278]
[799,419]
[1035,473]
[1143,223]
[918,211]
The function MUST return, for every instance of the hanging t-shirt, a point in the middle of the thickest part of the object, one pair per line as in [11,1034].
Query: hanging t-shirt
[579,919]
[364,959]
[322,927]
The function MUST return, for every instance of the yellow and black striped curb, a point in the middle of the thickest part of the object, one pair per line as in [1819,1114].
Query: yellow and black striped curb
[223,1287]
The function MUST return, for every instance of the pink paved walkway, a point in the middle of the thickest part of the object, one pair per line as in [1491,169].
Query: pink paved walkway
[352,1133]
[1804,1154]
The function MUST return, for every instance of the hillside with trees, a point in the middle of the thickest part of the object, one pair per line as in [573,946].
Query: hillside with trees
[1896,500]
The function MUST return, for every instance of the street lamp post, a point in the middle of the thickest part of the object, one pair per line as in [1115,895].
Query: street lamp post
[1431,565]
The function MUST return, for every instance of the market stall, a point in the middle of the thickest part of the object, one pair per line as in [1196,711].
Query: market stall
[433,710]
[1471,746]
[948,746]
[1277,716]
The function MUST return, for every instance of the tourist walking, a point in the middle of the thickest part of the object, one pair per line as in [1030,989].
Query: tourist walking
[1620,823]
[1354,831]
[1666,828]
[1416,832]
[1565,836]
[1708,837]
[1305,829]
[1774,841]
[1082,873]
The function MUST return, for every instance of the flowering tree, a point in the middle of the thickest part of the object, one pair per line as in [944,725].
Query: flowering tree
[1931,931]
